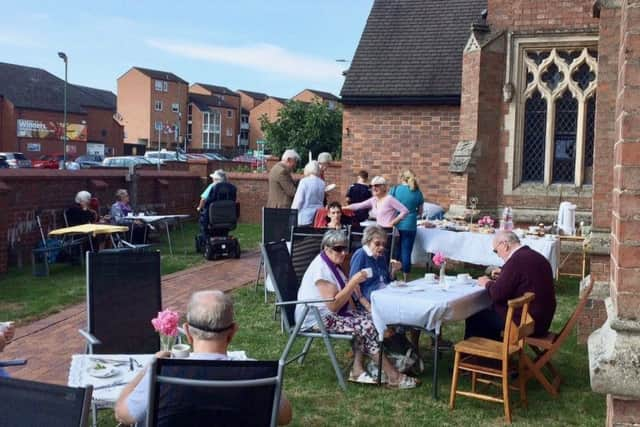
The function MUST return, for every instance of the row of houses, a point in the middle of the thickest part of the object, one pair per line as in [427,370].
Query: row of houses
[153,108]
[159,108]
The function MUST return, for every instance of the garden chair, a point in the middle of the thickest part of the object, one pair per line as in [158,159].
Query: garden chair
[305,246]
[484,357]
[279,267]
[195,392]
[276,225]
[30,403]
[546,347]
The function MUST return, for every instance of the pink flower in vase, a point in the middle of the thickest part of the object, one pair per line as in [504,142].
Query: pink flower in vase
[438,259]
[166,323]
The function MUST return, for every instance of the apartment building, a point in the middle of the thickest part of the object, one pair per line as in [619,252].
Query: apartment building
[229,109]
[268,108]
[151,104]
[209,122]
[312,95]
[32,115]
[248,100]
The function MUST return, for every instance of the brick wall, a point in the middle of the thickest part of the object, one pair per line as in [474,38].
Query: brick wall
[536,15]
[386,139]
[270,108]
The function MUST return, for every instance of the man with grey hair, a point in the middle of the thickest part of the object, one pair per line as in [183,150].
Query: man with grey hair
[282,187]
[210,327]
[524,270]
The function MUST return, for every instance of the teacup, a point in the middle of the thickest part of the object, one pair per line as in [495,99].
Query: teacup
[130,214]
[180,351]
[369,271]
[464,277]
[430,277]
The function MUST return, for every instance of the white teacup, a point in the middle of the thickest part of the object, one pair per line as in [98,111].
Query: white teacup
[180,351]
[130,214]
[430,277]
[369,271]
[464,277]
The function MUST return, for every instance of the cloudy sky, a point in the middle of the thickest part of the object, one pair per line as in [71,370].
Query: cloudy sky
[278,46]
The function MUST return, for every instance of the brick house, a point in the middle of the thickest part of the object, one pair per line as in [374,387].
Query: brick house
[32,115]
[248,100]
[269,108]
[522,104]
[312,95]
[207,122]
[229,109]
[151,104]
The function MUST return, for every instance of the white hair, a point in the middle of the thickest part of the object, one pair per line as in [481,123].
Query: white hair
[219,176]
[325,157]
[312,168]
[83,196]
[290,154]
[209,310]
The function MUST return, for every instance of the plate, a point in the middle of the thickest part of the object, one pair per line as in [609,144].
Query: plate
[106,372]
[398,284]
[330,187]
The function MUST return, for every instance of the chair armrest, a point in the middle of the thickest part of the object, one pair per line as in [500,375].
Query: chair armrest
[305,301]
[89,337]
[14,362]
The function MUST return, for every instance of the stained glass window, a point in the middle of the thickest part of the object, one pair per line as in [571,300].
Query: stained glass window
[564,155]
[589,140]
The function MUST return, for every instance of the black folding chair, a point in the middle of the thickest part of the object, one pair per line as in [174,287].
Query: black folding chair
[276,225]
[123,295]
[33,404]
[305,246]
[278,265]
[195,392]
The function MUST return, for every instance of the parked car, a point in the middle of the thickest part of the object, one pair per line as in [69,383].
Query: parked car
[89,161]
[125,161]
[163,156]
[253,161]
[16,160]
[48,161]
[3,163]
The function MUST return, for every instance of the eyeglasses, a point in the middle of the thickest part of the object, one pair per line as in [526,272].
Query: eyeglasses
[495,250]
[340,249]
[378,244]
[377,185]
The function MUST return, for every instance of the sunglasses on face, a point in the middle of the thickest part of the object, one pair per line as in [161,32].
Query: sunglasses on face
[340,249]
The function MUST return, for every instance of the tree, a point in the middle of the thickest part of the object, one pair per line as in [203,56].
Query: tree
[304,127]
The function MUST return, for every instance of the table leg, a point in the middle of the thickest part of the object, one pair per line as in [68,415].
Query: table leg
[435,366]
[166,224]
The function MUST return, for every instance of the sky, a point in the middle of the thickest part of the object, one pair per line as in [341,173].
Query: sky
[279,47]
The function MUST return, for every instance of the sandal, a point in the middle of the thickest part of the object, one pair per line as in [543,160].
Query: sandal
[405,383]
[363,378]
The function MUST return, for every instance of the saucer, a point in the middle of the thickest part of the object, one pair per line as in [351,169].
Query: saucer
[105,372]
[398,284]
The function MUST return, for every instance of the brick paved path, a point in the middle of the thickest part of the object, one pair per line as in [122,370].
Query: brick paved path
[49,343]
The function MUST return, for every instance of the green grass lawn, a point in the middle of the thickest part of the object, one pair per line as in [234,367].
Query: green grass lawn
[318,401]
[26,298]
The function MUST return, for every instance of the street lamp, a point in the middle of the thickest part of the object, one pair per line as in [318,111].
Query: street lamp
[63,56]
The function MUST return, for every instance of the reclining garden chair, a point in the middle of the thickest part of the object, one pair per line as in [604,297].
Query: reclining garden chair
[278,265]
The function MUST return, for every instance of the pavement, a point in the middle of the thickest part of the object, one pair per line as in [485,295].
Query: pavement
[49,343]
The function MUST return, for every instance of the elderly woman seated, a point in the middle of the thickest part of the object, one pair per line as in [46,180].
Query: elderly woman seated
[80,212]
[343,314]
[372,255]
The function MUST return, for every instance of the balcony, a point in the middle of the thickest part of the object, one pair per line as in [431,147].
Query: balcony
[243,142]
[244,126]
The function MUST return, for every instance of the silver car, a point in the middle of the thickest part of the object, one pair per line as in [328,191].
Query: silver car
[124,161]
[16,160]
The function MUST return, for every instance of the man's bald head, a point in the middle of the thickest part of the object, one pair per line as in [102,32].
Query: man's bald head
[210,314]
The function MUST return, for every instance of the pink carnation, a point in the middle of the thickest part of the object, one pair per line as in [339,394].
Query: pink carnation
[166,323]
[438,259]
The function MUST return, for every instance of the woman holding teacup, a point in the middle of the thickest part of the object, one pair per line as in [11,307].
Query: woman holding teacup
[324,280]
[373,257]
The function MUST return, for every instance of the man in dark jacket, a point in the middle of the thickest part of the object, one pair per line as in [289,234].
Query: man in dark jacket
[524,270]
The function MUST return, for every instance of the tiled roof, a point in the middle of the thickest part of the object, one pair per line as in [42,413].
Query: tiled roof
[411,52]
[255,95]
[217,89]
[35,88]
[204,102]
[281,100]
[327,96]
[160,75]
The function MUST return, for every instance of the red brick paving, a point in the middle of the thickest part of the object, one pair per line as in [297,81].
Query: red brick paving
[49,343]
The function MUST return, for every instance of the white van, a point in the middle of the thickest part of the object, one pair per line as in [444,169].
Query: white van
[160,156]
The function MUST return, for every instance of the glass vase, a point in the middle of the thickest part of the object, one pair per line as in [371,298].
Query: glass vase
[166,342]
[442,275]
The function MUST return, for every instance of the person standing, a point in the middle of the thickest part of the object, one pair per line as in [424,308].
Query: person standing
[386,209]
[359,192]
[282,187]
[408,193]
[309,195]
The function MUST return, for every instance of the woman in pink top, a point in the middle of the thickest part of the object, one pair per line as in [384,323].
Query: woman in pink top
[386,209]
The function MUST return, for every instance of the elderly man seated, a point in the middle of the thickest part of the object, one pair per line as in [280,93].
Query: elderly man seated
[524,270]
[210,327]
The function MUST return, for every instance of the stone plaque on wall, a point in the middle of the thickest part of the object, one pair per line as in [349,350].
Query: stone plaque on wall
[462,156]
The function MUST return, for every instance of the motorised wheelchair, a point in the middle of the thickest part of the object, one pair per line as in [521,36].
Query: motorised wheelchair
[219,217]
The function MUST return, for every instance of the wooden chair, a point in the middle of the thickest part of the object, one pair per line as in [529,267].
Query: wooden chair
[546,347]
[485,357]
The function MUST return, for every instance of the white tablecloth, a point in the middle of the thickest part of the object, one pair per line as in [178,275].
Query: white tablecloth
[474,248]
[426,305]
[155,218]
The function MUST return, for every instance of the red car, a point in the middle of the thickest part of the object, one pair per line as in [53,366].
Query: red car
[48,161]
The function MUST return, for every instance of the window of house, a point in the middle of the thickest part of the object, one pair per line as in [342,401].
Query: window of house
[165,86]
[158,85]
[229,132]
[211,130]
[229,114]
[158,125]
[175,107]
[244,119]
[158,106]
[557,89]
